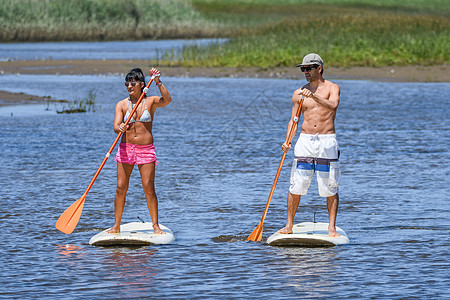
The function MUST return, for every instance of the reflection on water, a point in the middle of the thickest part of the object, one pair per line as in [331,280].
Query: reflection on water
[69,250]
[218,145]
[310,270]
[133,269]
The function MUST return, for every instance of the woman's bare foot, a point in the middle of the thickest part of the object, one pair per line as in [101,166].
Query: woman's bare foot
[285,230]
[114,229]
[332,232]
[157,229]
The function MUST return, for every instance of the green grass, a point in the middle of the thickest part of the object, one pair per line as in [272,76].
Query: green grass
[81,20]
[263,33]
[241,13]
[79,106]
[345,33]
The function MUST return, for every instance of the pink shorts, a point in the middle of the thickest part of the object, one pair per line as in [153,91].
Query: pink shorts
[136,154]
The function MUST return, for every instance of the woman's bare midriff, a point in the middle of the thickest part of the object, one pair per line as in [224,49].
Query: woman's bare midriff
[138,133]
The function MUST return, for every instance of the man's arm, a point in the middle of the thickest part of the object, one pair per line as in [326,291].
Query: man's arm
[295,103]
[331,103]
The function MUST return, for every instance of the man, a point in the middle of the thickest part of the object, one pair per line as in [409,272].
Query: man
[316,149]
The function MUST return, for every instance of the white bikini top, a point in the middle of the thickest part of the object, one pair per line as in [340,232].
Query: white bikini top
[146,116]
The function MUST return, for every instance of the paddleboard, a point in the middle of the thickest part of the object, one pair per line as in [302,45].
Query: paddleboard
[309,234]
[133,234]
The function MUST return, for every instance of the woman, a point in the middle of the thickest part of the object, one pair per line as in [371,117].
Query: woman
[137,146]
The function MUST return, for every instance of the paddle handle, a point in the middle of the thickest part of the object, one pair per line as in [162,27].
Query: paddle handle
[280,166]
[118,136]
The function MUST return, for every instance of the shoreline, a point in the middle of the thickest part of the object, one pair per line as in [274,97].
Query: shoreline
[8,98]
[121,67]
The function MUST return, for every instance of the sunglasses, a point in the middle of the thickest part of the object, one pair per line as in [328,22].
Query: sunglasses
[133,83]
[308,68]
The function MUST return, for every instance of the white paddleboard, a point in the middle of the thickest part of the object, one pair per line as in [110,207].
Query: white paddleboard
[309,234]
[133,234]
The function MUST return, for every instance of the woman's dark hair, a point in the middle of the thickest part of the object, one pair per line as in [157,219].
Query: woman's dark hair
[135,74]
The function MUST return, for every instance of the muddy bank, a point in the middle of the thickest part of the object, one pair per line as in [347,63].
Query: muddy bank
[7,98]
[120,67]
[405,73]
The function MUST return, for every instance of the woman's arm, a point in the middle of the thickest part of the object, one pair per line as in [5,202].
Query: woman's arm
[119,126]
[165,96]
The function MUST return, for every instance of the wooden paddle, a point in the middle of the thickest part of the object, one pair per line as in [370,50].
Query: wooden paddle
[70,217]
[256,235]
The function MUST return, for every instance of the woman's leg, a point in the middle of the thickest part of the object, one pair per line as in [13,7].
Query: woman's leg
[148,184]
[123,180]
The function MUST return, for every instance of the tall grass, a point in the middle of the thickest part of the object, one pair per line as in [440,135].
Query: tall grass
[63,20]
[243,13]
[344,35]
[263,33]
[79,106]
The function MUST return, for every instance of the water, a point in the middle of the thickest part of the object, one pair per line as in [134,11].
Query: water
[218,144]
[152,49]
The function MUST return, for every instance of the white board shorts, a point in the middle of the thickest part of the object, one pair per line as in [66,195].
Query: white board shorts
[319,154]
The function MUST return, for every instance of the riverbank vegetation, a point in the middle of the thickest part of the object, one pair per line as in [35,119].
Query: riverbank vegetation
[79,106]
[345,32]
[94,20]
[262,33]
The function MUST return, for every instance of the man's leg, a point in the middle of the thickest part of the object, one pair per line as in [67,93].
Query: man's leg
[332,206]
[292,204]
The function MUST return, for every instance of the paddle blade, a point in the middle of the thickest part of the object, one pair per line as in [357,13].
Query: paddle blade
[256,235]
[70,217]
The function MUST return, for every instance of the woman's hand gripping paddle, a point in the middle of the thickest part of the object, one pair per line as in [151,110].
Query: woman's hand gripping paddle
[256,235]
[70,217]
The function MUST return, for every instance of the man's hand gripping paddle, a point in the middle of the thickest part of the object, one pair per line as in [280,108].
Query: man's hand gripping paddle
[70,217]
[256,235]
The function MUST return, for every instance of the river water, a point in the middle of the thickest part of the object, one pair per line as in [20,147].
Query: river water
[218,144]
[153,49]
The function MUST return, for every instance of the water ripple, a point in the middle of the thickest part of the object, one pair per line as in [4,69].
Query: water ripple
[217,164]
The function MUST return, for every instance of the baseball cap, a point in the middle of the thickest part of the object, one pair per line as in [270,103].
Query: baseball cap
[311,59]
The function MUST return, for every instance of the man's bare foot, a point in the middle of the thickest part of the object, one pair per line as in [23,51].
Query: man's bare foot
[332,232]
[285,230]
[114,229]
[157,229]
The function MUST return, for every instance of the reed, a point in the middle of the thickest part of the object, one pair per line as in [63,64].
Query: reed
[263,33]
[79,106]
[72,20]
[345,35]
